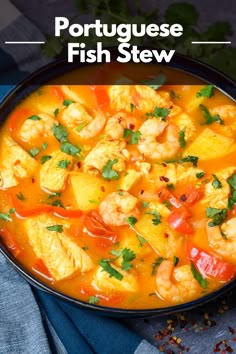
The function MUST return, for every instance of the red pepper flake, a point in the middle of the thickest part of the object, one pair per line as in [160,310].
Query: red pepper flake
[131,126]
[142,191]
[102,188]
[229,349]
[217,347]
[33,180]
[79,164]
[164,179]
[166,235]
[232,330]
[164,164]
[183,198]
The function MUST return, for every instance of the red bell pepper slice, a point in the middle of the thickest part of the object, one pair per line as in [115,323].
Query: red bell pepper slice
[209,265]
[177,220]
[41,268]
[16,117]
[44,208]
[10,242]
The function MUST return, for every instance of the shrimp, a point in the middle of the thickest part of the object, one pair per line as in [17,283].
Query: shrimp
[116,124]
[115,209]
[33,130]
[176,284]
[76,117]
[225,246]
[150,147]
[227,113]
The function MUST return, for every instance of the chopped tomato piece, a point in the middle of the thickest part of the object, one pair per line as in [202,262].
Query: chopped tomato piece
[102,95]
[10,242]
[166,196]
[41,268]
[209,265]
[190,195]
[97,228]
[177,220]
[56,91]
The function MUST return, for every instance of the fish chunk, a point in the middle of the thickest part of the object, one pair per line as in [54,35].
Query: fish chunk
[15,163]
[60,253]
[106,150]
[32,131]
[218,198]
[184,122]
[143,97]
[103,281]
[52,176]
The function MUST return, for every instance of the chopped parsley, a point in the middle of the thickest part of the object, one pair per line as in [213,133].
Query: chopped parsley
[170,186]
[145,204]
[157,82]
[157,217]
[34,117]
[207,91]
[141,239]
[56,112]
[132,107]
[93,300]
[159,113]
[189,158]
[232,200]
[20,196]
[200,174]
[182,141]
[105,264]
[58,203]
[45,158]
[85,248]
[108,172]
[174,95]
[134,136]
[217,216]
[198,276]
[93,201]
[156,264]
[70,149]
[34,152]
[81,126]
[63,164]
[66,103]
[175,261]
[216,182]
[128,256]
[60,132]
[57,228]
[209,119]
[44,145]
[7,216]
[131,221]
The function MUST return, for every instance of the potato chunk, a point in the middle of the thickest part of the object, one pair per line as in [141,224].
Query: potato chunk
[130,179]
[89,189]
[209,145]
[52,176]
[15,163]
[103,281]
[60,253]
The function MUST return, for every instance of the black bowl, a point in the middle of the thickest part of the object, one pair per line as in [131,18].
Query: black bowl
[181,63]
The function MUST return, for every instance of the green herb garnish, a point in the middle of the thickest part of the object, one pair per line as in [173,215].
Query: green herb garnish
[60,132]
[93,300]
[67,102]
[20,196]
[134,136]
[34,152]
[200,174]
[131,221]
[175,261]
[132,107]
[56,112]
[217,216]
[70,149]
[108,172]
[57,228]
[206,91]
[209,119]
[45,158]
[216,182]
[63,164]
[44,145]
[34,117]
[7,216]
[157,217]
[142,240]
[159,113]
[105,264]
[182,141]
[197,275]
[156,264]
[81,126]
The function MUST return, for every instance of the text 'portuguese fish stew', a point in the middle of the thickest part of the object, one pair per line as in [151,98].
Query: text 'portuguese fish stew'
[122,195]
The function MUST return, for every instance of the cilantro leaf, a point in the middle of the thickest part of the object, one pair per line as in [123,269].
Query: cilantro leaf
[63,164]
[145,204]
[232,181]
[44,145]
[34,117]
[56,112]
[141,239]
[200,174]
[159,113]
[128,256]
[105,264]
[70,149]
[216,182]
[67,102]
[217,216]
[157,217]
[209,119]
[156,264]
[20,196]
[108,172]
[189,158]
[7,216]
[132,107]
[198,276]
[60,132]
[157,82]
[58,203]
[45,158]
[93,300]
[131,221]
[34,152]
[57,228]
[176,261]
[134,136]
[206,91]
[182,141]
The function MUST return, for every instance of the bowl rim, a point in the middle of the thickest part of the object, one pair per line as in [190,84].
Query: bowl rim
[179,62]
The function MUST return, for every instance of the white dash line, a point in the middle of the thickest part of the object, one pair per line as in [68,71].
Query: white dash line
[211,42]
[24,42]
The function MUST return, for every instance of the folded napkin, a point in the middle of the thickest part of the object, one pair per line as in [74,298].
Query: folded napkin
[32,321]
